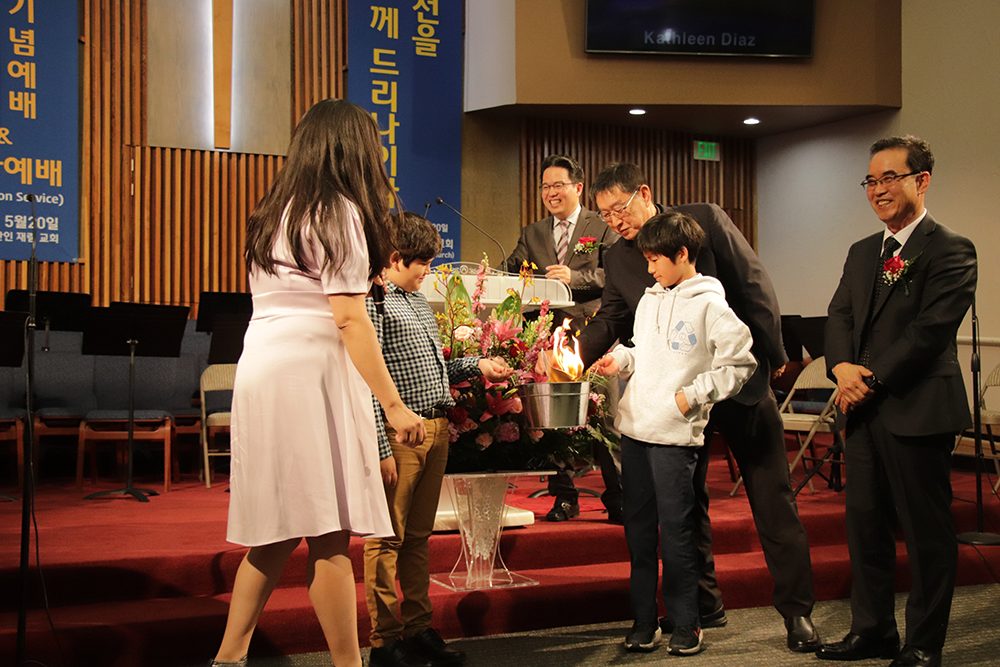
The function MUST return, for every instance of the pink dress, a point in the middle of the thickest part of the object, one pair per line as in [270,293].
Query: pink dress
[304,454]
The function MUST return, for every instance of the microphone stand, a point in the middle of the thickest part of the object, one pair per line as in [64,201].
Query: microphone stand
[503,253]
[28,497]
[979,536]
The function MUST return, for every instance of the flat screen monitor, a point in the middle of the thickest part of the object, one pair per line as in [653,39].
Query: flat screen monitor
[777,28]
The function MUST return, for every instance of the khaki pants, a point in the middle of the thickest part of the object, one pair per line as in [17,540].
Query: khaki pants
[412,507]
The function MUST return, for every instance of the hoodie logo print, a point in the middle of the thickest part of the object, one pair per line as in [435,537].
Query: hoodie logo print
[682,338]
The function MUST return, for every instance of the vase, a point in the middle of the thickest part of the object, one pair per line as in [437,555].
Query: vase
[478,499]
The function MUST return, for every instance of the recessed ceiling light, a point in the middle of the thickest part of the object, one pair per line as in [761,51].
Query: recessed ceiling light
[751,121]
[637,112]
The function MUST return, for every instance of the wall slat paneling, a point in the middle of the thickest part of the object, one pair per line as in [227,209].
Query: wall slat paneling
[663,155]
[160,225]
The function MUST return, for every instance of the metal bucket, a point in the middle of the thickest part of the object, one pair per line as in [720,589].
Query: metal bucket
[555,404]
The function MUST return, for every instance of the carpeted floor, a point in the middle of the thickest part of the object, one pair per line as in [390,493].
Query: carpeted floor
[753,637]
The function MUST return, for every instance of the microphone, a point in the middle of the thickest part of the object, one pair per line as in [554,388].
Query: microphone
[503,253]
[427,207]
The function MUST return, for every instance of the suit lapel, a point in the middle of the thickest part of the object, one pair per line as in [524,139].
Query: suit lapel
[914,246]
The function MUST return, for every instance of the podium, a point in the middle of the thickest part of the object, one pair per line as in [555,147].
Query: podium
[497,283]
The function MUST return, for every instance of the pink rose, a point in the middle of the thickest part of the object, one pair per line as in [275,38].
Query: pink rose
[484,440]
[464,333]
[508,432]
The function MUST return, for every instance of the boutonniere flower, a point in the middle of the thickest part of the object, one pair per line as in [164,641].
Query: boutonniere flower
[896,268]
[586,245]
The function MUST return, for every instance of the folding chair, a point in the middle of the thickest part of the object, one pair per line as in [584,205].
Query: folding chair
[215,417]
[990,423]
[806,418]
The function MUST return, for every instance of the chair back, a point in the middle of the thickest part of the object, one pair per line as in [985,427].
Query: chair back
[215,378]
[992,380]
[813,376]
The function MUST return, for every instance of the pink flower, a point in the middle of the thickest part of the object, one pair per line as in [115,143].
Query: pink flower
[535,435]
[508,432]
[505,330]
[484,440]
[467,425]
[497,405]
[452,433]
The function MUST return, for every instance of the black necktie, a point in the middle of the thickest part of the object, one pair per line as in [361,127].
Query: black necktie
[888,250]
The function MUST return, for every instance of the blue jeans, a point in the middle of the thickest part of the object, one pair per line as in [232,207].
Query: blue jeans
[658,505]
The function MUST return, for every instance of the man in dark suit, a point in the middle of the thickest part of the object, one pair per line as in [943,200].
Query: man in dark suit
[749,421]
[551,244]
[890,346]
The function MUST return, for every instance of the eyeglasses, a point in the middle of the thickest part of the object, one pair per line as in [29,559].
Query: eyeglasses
[558,186]
[887,180]
[618,211]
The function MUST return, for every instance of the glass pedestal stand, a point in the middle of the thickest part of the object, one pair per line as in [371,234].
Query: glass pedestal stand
[478,499]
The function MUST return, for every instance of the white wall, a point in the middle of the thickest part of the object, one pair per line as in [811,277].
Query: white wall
[810,207]
[490,40]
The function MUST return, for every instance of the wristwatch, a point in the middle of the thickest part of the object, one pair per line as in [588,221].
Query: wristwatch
[874,383]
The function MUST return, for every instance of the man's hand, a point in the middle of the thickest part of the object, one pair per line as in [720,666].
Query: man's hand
[606,365]
[851,383]
[387,467]
[778,372]
[558,272]
[495,369]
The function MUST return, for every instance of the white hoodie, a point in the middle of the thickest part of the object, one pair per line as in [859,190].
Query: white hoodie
[688,339]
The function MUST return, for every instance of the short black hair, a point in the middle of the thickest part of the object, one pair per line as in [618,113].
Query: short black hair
[665,234]
[626,176]
[571,166]
[918,152]
[416,238]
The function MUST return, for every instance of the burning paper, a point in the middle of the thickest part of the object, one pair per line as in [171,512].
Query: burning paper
[567,364]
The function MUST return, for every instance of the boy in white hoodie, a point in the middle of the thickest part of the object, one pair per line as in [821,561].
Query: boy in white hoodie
[689,351]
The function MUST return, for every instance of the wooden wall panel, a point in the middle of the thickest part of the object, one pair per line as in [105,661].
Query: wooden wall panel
[663,155]
[160,225]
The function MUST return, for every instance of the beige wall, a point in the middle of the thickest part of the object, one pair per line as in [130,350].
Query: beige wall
[810,206]
[854,63]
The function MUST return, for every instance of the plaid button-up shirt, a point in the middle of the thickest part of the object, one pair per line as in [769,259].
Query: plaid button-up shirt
[414,356]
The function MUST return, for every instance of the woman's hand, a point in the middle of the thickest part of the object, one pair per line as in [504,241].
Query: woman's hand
[407,424]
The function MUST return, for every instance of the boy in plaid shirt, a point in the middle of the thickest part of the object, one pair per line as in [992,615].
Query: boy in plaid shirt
[401,634]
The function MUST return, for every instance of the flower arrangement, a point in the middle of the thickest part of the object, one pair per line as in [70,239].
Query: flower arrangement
[487,426]
[586,245]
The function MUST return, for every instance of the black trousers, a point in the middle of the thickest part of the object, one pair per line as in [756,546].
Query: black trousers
[755,436]
[904,481]
[562,487]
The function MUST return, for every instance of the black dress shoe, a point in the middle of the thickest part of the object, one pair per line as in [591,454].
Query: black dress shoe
[615,516]
[430,645]
[715,619]
[913,657]
[802,635]
[859,647]
[396,654]
[563,510]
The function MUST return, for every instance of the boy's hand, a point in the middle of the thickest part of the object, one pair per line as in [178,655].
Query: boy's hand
[682,402]
[387,467]
[606,365]
[543,363]
[495,369]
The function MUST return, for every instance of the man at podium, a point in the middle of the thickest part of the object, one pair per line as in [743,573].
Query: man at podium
[568,245]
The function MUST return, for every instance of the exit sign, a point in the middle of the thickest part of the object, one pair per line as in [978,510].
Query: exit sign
[706,150]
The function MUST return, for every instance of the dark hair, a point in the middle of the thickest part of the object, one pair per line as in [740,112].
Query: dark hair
[665,234]
[918,151]
[569,164]
[416,238]
[626,176]
[334,161]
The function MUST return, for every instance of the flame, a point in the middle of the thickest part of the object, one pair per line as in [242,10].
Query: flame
[567,364]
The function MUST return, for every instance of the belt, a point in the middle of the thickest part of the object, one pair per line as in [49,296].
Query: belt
[433,413]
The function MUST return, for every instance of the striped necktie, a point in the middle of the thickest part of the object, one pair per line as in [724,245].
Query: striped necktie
[562,240]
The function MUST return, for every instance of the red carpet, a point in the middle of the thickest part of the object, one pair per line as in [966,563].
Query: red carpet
[132,583]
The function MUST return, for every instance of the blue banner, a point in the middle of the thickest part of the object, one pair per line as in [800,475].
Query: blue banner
[39,130]
[405,66]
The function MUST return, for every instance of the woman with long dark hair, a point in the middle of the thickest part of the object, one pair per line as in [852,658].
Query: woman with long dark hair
[304,454]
